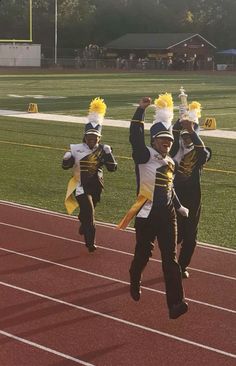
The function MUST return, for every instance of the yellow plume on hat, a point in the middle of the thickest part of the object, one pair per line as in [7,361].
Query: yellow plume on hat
[97,106]
[164,101]
[164,110]
[195,106]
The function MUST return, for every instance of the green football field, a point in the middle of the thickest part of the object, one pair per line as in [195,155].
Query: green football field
[31,150]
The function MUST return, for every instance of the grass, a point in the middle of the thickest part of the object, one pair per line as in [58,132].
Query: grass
[31,150]
[216,92]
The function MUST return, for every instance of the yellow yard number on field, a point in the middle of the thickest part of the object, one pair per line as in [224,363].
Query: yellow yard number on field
[32,108]
[209,124]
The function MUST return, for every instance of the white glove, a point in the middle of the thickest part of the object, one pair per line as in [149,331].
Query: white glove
[67,155]
[183,211]
[107,149]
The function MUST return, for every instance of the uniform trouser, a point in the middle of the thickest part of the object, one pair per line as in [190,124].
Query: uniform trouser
[87,204]
[188,226]
[160,224]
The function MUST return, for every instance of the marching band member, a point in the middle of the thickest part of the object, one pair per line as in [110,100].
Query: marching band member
[154,208]
[87,159]
[190,154]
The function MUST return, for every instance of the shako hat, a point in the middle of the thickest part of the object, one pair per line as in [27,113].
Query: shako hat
[164,114]
[97,111]
[159,130]
[193,113]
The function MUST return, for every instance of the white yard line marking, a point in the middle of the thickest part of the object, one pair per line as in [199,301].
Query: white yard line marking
[122,321]
[43,348]
[104,224]
[111,278]
[36,96]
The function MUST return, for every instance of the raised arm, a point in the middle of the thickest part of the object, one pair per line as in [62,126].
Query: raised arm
[176,133]
[202,152]
[140,151]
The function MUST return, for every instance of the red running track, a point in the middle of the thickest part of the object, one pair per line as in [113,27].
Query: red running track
[62,306]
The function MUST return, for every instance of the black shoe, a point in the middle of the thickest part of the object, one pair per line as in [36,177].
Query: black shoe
[185,274]
[91,248]
[178,310]
[135,290]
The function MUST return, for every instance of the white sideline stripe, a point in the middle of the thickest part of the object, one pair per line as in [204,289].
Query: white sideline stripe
[126,322]
[107,122]
[111,278]
[43,348]
[109,249]
[105,224]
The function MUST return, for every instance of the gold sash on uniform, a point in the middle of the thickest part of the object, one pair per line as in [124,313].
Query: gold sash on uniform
[70,200]
[132,212]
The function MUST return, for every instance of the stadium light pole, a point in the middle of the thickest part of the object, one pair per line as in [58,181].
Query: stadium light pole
[55,54]
[30,22]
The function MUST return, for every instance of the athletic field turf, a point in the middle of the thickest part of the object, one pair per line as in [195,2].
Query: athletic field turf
[31,151]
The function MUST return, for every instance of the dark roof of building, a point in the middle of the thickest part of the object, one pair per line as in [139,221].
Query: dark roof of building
[157,41]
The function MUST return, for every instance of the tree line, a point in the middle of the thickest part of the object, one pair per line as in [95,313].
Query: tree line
[84,22]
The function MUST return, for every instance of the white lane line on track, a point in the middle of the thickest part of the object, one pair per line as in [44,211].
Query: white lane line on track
[109,249]
[104,224]
[43,348]
[126,322]
[111,279]
[216,248]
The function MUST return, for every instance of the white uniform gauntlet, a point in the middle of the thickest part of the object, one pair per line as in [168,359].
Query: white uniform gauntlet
[183,211]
